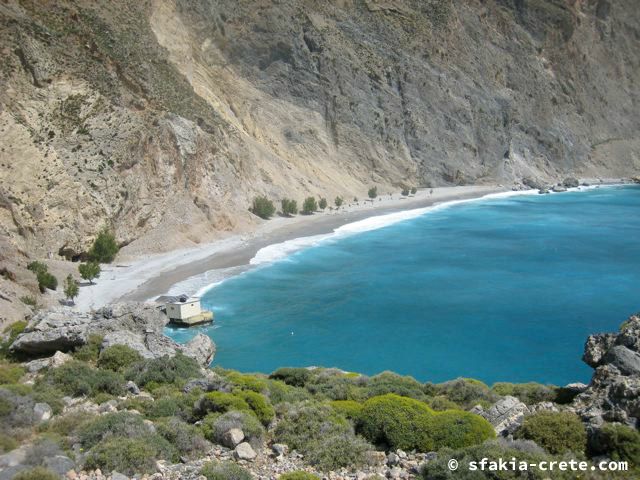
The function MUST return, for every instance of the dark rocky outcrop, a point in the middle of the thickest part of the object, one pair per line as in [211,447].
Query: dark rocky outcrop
[136,325]
[613,395]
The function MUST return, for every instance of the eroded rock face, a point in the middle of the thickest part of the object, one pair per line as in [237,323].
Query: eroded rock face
[135,325]
[613,395]
[506,415]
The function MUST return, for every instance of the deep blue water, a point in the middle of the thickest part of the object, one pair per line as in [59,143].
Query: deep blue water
[499,290]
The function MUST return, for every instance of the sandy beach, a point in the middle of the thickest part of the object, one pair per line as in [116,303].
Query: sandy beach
[147,277]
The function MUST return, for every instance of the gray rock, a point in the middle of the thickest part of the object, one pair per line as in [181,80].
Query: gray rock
[244,452]
[59,464]
[559,188]
[506,415]
[393,459]
[232,438]
[118,476]
[58,359]
[280,449]
[14,457]
[110,406]
[42,412]
[132,388]
[626,360]
[200,348]
[396,472]
[596,348]
[543,191]
[532,183]
[571,182]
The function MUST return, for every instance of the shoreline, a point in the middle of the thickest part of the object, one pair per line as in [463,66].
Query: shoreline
[147,277]
[174,272]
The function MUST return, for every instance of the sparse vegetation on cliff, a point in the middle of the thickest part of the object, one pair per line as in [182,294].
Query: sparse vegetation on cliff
[262,207]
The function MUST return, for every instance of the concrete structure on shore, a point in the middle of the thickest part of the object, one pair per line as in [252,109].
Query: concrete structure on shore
[183,310]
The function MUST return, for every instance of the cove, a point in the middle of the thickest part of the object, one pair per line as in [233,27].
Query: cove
[504,289]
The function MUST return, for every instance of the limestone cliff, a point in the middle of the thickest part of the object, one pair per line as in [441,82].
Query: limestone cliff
[162,119]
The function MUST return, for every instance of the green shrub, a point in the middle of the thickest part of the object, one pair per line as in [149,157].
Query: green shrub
[214,426]
[51,395]
[322,203]
[259,404]
[556,432]
[247,382]
[373,192]
[170,405]
[104,248]
[309,205]
[331,452]
[118,424]
[69,424]
[618,442]
[89,352]
[36,473]
[401,422]
[89,271]
[117,357]
[175,370]
[467,392]
[71,288]
[438,469]
[37,267]
[220,402]
[262,207]
[186,439]
[347,408]
[296,377]
[405,192]
[224,471]
[529,393]
[289,207]
[7,443]
[77,378]
[413,190]
[298,475]
[338,201]
[10,373]
[125,455]
[389,382]
[440,403]
[46,281]
[280,392]
[308,422]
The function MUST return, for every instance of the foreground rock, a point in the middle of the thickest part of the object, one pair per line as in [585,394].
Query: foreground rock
[613,395]
[136,325]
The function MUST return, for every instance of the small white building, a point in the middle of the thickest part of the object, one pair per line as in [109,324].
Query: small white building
[183,308]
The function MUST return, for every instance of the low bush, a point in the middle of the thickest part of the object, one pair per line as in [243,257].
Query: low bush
[77,378]
[119,424]
[16,411]
[280,392]
[7,443]
[389,382]
[467,392]
[11,332]
[118,357]
[440,403]
[556,432]
[220,402]
[438,469]
[302,424]
[104,248]
[299,475]
[67,425]
[247,382]
[214,426]
[224,471]
[618,442]
[49,394]
[259,404]
[10,373]
[262,207]
[186,439]
[296,377]
[309,205]
[175,370]
[89,352]
[341,450]
[36,473]
[170,406]
[347,408]
[124,455]
[529,393]
[337,386]
[406,423]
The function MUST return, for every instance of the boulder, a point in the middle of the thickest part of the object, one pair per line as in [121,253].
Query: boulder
[626,360]
[393,459]
[14,457]
[280,449]
[596,347]
[58,359]
[132,388]
[244,452]
[137,325]
[559,188]
[118,476]
[506,415]
[532,183]
[42,412]
[232,438]
[543,191]
[571,182]
[59,464]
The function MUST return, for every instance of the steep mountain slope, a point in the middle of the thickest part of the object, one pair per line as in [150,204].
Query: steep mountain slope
[163,119]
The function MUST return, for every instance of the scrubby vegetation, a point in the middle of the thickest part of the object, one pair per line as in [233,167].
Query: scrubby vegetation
[46,281]
[288,206]
[263,207]
[225,471]
[104,248]
[118,358]
[618,442]
[556,432]
[89,271]
[309,205]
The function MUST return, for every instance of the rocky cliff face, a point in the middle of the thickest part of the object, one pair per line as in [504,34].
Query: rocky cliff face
[163,119]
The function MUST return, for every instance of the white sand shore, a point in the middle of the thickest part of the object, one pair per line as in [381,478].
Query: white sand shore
[149,276]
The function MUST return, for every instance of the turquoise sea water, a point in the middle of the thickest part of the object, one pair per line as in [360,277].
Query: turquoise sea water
[499,290]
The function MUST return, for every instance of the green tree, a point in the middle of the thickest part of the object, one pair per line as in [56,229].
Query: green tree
[289,207]
[373,192]
[413,190]
[323,203]
[45,279]
[71,288]
[89,271]
[405,192]
[309,206]
[104,248]
[338,202]
[262,207]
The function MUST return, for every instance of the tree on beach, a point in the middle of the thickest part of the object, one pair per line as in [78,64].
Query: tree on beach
[373,192]
[45,279]
[309,206]
[405,192]
[289,207]
[338,202]
[104,248]
[262,207]
[71,288]
[414,190]
[323,203]
[89,271]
